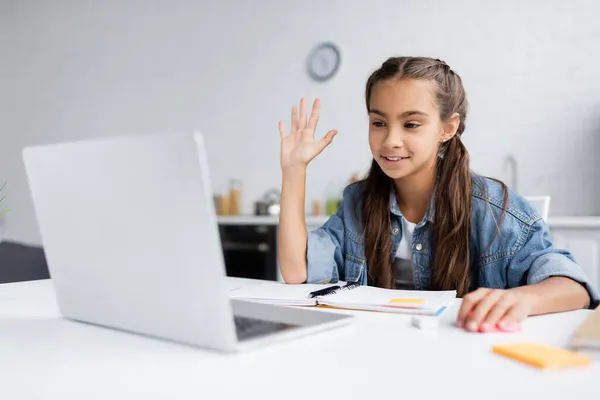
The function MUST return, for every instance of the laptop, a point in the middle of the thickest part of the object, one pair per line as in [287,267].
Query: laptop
[586,336]
[131,238]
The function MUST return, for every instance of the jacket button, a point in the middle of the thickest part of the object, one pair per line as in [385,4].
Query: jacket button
[419,247]
[395,231]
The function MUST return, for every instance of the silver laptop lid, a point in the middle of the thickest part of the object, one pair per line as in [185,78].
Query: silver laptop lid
[131,237]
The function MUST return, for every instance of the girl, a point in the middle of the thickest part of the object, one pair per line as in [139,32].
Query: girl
[421,219]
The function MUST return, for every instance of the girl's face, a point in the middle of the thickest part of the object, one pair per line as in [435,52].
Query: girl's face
[405,130]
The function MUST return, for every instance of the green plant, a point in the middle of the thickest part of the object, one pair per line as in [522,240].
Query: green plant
[2,198]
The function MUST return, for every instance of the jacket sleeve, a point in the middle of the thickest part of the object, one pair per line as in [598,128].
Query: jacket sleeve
[324,250]
[538,260]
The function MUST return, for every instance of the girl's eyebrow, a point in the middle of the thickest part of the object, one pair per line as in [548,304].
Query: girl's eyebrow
[403,115]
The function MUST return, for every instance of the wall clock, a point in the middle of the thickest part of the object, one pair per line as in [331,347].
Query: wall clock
[324,61]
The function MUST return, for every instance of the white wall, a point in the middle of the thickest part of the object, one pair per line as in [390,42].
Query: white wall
[83,69]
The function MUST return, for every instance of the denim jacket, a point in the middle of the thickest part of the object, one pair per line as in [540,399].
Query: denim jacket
[522,253]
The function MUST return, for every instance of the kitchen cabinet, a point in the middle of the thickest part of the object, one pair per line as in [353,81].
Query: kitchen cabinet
[581,237]
[250,250]
[250,244]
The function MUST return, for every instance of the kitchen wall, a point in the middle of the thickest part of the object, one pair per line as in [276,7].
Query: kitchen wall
[83,69]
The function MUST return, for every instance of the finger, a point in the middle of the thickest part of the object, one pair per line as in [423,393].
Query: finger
[512,317]
[314,115]
[497,312]
[294,119]
[468,304]
[482,309]
[302,121]
[327,139]
[282,129]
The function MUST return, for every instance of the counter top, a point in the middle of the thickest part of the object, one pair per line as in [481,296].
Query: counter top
[311,220]
[583,222]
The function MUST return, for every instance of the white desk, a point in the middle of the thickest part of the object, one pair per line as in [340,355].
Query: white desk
[379,356]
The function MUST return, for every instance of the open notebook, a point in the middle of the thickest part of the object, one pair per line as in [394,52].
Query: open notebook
[350,296]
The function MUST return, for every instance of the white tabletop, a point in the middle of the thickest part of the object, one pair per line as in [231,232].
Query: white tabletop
[378,356]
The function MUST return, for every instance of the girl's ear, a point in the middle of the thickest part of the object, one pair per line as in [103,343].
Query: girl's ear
[450,127]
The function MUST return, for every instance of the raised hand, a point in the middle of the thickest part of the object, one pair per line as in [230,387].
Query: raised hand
[300,147]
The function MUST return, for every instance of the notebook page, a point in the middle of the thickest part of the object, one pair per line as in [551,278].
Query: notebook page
[378,297]
[277,293]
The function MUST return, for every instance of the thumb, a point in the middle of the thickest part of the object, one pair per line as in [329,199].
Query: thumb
[327,139]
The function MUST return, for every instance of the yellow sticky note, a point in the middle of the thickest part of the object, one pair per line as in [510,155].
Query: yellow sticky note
[407,301]
[542,356]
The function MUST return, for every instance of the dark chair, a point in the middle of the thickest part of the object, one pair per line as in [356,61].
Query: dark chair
[21,262]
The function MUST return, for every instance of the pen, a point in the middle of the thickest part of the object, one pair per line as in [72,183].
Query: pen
[323,291]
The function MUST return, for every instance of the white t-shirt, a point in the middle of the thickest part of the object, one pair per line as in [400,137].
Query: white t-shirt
[403,259]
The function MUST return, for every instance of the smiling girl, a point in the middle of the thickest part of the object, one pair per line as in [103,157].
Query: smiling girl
[421,219]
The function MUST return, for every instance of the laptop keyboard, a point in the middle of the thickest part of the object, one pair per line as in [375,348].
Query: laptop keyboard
[248,328]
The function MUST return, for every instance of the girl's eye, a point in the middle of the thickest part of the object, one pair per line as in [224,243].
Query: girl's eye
[411,125]
[378,124]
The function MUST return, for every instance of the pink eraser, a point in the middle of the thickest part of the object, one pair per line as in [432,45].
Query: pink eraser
[514,327]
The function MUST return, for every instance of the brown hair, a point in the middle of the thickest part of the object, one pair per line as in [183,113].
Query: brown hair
[452,198]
